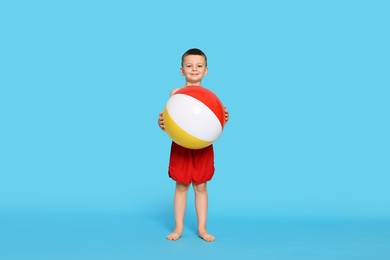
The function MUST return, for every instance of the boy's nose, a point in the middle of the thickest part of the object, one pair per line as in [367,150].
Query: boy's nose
[194,68]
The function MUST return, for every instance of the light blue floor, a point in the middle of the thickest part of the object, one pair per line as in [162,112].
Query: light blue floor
[50,235]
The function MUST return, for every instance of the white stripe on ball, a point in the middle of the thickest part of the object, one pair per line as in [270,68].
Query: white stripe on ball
[194,117]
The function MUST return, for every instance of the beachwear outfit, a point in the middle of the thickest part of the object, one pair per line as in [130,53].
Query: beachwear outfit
[191,165]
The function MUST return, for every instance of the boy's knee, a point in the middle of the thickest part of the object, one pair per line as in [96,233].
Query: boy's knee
[200,188]
[182,187]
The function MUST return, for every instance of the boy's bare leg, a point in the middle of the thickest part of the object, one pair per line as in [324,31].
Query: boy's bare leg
[201,204]
[180,201]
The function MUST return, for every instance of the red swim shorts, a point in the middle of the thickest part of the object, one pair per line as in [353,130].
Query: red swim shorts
[191,165]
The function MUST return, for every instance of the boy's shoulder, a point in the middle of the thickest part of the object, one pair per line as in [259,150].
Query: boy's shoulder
[175,90]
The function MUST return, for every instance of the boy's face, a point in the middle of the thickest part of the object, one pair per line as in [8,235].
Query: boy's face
[194,68]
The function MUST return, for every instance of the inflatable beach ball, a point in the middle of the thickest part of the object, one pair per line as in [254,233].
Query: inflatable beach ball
[194,117]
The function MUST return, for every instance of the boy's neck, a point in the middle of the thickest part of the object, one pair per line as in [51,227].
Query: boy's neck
[193,83]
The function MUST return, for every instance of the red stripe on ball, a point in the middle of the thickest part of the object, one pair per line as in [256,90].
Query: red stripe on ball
[208,98]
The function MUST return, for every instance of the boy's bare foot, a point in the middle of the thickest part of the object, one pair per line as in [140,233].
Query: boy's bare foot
[206,236]
[175,235]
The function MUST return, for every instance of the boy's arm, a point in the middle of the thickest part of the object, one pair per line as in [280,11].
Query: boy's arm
[226,115]
[161,121]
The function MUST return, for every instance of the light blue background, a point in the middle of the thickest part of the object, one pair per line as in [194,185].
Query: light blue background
[302,167]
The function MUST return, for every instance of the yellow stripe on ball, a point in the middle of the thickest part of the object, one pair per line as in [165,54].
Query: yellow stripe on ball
[181,137]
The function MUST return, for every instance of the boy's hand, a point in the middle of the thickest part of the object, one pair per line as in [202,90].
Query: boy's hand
[161,121]
[226,115]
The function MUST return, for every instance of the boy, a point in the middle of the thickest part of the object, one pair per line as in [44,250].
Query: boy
[188,166]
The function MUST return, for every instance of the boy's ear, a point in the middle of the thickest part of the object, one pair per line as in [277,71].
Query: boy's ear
[182,71]
[206,71]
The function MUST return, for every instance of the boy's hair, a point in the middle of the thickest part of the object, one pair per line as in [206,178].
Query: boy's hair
[193,51]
